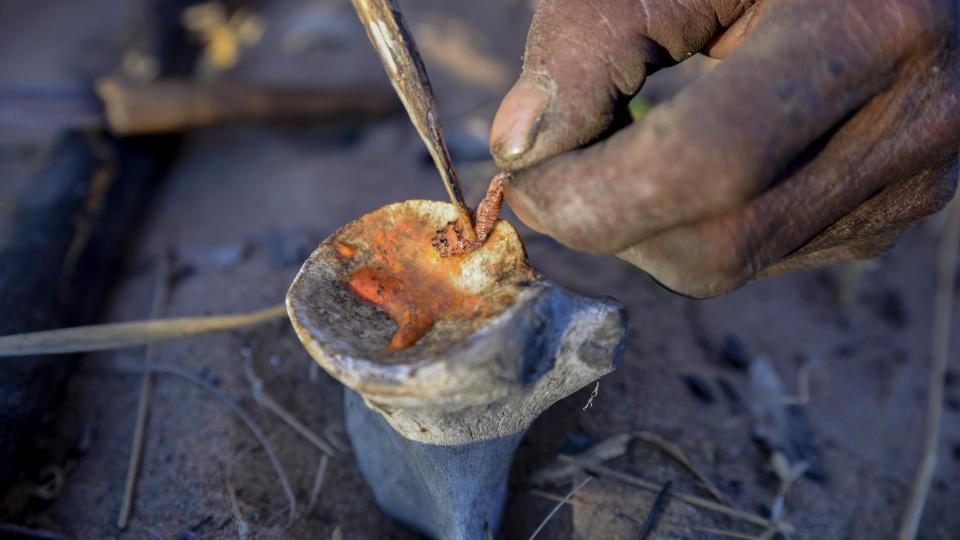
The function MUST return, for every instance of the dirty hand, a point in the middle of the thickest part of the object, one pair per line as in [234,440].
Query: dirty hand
[829,127]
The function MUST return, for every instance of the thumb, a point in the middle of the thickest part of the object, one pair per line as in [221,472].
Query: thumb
[582,57]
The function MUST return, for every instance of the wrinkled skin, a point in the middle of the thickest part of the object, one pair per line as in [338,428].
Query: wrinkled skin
[828,127]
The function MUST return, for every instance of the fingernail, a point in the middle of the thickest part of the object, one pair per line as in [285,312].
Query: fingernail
[515,125]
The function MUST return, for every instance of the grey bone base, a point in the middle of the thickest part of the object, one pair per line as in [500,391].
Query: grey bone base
[427,486]
[434,426]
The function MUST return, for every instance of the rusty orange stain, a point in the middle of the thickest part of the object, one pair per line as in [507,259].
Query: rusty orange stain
[345,250]
[406,277]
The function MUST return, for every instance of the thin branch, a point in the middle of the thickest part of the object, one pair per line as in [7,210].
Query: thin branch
[25,532]
[946,272]
[101,337]
[153,534]
[331,432]
[160,294]
[673,450]
[317,483]
[560,505]
[243,528]
[728,534]
[692,500]
[264,399]
[596,507]
[236,410]
[656,510]
[561,499]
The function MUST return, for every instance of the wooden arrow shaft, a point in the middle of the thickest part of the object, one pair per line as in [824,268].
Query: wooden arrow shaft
[395,46]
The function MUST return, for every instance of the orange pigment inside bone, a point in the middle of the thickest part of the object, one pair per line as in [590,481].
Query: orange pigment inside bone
[404,276]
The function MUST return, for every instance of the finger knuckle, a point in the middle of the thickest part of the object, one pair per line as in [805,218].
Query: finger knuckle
[701,262]
[730,261]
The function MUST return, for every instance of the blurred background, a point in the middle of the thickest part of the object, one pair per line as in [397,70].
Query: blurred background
[204,149]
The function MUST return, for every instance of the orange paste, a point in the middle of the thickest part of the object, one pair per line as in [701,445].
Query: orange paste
[404,276]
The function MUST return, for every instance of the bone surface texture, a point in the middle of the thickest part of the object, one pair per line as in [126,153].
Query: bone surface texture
[446,360]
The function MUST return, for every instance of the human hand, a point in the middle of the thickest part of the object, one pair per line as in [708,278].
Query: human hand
[829,127]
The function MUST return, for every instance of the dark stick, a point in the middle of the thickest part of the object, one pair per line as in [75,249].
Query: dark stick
[656,510]
[8,530]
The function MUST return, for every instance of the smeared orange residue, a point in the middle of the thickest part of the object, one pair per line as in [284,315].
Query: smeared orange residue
[344,250]
[406,278]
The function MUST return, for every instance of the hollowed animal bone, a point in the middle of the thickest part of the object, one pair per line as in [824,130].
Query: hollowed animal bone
[446,360]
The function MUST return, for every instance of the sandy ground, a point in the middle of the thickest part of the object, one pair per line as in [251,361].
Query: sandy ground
[245,204]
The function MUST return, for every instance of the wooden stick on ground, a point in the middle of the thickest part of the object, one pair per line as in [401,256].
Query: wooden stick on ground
[676,452]
[656,510]
[265,400]
[160,294]
[243,528]
[394,44]
[17,531]
[232,406]
[946,272]
[101,337]
[559,505]
[727,534]
[692,500]
[166,105]
[317,484]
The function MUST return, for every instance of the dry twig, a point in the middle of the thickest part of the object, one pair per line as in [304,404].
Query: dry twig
[237,411]
[160,294]
[946,272]
[243,528]
[692,500]
[332,433]
[728,534]
[559,505]
[656,510]
[25,532]
[559,498]
[100,337]
[607,449]
[264,399]
[674,451]
[317,483]
[153,534]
